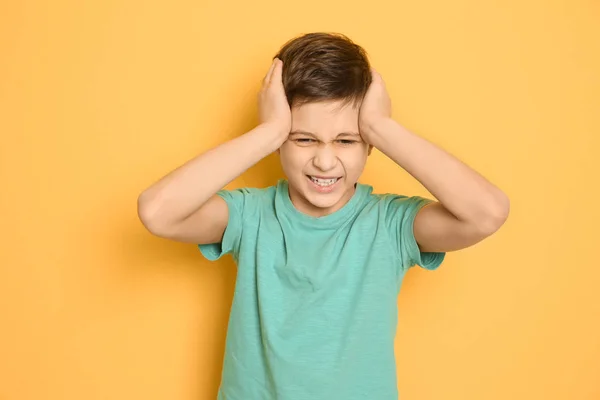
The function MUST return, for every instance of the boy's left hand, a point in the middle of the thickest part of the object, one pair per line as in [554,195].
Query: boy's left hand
[376,106]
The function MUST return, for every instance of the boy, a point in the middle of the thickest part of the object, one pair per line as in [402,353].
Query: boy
[320,257]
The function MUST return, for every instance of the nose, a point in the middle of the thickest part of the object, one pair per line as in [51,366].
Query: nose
[325,158]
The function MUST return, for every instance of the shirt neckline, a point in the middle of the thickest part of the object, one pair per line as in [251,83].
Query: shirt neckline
[326,221]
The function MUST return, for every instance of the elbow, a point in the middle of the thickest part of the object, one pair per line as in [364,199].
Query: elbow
[496,215]
[147,210]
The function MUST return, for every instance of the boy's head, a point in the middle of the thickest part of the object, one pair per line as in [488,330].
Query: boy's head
[325,76]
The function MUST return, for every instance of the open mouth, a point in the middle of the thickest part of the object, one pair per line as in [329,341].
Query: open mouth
[323,182]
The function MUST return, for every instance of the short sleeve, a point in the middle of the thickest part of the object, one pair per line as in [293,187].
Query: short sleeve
[236,200]
[400,213]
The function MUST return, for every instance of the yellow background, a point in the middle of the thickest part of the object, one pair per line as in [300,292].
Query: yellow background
[100,99]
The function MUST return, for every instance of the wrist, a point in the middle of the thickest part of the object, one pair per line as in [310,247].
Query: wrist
[272,136]
[274,129]
[373,130]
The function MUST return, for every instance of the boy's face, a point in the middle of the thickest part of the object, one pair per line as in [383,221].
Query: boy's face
[323,157]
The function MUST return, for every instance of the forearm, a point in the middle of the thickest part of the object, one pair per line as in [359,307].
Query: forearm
[183,191]
[461,190]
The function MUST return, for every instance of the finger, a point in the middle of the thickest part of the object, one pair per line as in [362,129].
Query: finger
[268,76]
[277,72]
[276,66]
[375,74]
[377,77]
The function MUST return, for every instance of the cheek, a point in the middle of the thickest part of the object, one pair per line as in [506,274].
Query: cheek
[355,158]
[354,164]
[294,158]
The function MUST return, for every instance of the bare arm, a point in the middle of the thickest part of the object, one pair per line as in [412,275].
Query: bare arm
[183,204]
[470,208]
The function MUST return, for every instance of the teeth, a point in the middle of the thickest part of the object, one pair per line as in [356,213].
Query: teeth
[323,182]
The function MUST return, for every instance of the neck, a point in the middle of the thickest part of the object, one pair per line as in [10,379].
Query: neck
[303,205]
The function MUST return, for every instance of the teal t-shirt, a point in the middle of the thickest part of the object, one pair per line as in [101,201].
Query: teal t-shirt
[314,312]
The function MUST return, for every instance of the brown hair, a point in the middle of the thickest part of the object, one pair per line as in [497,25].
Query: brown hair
[323,66]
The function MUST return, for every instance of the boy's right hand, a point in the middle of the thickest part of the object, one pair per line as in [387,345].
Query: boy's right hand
[274,110]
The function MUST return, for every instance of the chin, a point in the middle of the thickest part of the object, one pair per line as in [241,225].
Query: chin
[327,199]
[323,202]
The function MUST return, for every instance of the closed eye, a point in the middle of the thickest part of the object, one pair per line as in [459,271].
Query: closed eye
[304,140]
[346,142]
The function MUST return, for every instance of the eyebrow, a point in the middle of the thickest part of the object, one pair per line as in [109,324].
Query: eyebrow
[301,132]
